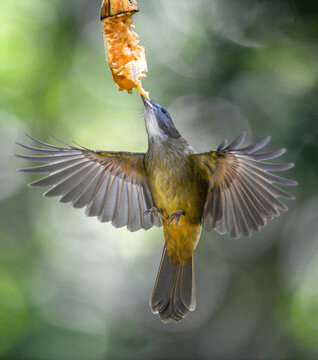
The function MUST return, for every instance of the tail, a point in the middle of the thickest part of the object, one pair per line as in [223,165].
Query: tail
[173,295]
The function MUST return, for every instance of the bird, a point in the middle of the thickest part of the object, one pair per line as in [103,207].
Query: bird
[231,190]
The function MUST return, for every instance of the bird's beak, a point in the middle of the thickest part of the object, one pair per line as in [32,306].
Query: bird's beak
[146,102]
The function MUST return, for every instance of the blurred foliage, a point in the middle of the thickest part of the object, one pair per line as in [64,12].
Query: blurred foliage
[72,288]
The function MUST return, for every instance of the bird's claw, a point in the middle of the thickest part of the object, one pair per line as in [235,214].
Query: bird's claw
[154,211]
[176,216]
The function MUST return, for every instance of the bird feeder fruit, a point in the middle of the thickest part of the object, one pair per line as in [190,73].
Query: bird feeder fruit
[117,7]
[125,55]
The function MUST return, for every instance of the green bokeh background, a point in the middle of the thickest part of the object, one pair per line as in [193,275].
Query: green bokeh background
[74,289]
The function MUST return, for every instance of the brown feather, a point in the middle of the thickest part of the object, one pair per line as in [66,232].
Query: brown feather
[97,180]
[173,295]
[241,195]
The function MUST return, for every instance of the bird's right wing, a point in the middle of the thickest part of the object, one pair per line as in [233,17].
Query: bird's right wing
[112,185]
[242,194]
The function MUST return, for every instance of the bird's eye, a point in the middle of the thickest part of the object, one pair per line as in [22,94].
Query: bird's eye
[164,110]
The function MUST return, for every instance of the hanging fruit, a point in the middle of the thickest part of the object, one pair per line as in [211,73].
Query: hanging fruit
[125,56]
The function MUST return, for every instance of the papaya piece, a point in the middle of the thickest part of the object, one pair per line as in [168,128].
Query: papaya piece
[125,56]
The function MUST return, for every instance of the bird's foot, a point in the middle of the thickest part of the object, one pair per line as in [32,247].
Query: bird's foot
[154,211]
[176,216]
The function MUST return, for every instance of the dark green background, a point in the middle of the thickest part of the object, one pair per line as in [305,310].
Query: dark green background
[74,289]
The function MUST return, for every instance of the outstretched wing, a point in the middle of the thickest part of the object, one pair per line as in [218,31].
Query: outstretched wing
[242,194]
[112,185]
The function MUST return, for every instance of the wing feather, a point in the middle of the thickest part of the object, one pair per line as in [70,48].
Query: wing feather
[119,211]
[69,182]
[111,185]
[242,195]
[135,220]
[57,176]
[95,201]
[81,197]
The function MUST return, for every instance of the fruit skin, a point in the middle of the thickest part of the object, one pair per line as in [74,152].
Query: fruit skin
[115,7]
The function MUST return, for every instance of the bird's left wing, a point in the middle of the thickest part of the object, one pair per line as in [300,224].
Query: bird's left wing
[112,185]
[242,194]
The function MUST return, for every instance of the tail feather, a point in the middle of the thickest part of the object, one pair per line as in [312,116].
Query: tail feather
[173,295]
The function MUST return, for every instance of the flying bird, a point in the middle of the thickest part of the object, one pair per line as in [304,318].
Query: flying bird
[230,190]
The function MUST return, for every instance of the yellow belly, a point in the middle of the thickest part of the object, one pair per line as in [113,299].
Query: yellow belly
[173,189]
[177,184]
[181,240]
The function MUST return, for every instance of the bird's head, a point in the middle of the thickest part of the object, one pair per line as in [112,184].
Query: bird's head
[158,121]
